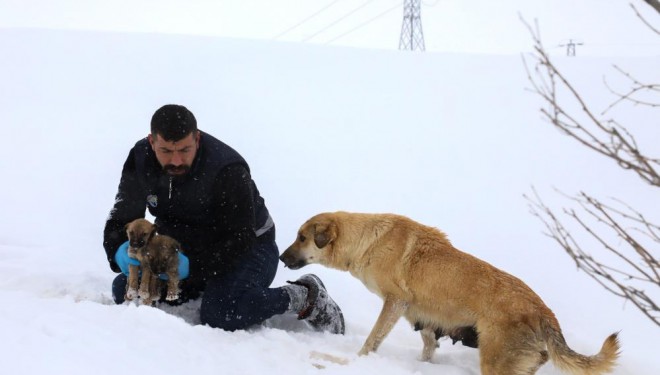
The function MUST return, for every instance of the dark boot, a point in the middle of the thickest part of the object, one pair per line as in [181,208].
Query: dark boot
[319,310]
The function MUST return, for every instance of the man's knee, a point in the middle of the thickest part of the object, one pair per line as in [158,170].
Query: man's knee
[119,288]
[218,316]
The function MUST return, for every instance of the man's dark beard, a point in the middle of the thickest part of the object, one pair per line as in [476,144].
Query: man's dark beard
[176,171]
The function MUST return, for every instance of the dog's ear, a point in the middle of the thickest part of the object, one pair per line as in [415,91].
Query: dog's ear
[152,233]
[324,233]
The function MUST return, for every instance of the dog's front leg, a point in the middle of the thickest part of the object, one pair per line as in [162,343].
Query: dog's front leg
[154,290]
[392,310]
[430,344]
[173,286]
[132,285]
[145,284]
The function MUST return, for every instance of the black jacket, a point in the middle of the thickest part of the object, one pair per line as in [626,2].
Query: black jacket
[214,211]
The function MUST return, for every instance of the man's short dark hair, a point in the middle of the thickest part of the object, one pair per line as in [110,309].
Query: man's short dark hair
[173,122]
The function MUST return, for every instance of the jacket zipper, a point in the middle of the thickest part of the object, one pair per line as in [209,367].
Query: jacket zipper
[170,193]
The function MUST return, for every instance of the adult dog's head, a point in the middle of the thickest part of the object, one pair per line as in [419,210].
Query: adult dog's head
[314,243]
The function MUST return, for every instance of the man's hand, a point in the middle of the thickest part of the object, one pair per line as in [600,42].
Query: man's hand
[184,267]
[123,261]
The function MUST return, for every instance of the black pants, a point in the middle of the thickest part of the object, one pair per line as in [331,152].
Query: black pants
[237,300]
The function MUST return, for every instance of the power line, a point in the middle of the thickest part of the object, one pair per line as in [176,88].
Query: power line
[338,20]
[364,23]
[623,44]
[306,19]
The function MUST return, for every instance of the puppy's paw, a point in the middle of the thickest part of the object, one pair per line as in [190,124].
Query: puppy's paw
[131,293]
[147,301]
[144,294]
[172,296]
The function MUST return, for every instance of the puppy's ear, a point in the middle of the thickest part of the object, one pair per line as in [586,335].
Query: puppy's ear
[152,233]
[324,233]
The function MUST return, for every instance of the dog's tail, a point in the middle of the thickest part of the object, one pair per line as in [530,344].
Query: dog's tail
[572,362]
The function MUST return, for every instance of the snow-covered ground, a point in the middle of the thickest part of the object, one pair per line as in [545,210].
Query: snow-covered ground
[453,141]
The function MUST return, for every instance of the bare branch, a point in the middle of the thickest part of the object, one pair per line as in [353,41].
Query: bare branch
[625,235]
[606,137]
[636,88]
[620,279]
[655,5]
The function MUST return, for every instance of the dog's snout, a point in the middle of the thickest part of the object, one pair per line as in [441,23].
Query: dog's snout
[286,258]
[292,261]
[137,243]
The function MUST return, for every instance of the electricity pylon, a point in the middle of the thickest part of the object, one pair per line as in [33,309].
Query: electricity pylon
[570,47]
[412,36]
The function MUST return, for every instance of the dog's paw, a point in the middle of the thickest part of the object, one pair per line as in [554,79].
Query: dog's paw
[172,295]
[147,301]
[144,294]
[364,351]
[131,293]
[426,357]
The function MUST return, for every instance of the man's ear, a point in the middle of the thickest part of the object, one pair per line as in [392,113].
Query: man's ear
[150,138]
[324,233]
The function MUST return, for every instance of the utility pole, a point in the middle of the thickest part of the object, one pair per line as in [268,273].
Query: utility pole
[570,47]
[412,37]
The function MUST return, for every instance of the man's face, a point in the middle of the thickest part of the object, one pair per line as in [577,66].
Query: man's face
[177,157]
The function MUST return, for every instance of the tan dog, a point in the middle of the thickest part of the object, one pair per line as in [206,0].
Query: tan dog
[157,254]
[421,276]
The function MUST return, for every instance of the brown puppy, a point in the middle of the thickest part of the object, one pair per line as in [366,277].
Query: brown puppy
[139,232]
[158,254]
[421,276]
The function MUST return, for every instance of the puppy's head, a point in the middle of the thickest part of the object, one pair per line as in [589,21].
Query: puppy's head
[314,243]
[139,232]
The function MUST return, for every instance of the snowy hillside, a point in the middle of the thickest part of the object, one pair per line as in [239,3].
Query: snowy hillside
[452,141]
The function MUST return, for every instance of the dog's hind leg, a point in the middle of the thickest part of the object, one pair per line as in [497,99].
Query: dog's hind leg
[392,310]
[430,340]
[513,352]
[516,363]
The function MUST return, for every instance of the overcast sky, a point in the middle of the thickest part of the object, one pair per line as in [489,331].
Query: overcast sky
[605,27]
